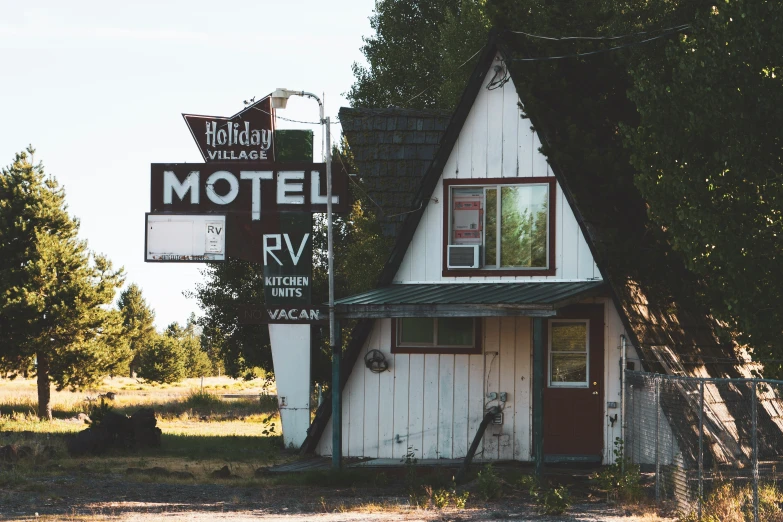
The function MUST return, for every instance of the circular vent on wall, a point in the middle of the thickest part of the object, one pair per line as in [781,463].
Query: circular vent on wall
[375,361]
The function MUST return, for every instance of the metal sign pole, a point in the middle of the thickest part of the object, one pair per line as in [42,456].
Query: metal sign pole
[337,450]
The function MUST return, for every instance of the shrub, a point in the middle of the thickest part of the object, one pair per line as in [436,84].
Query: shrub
[162,360]
[255,372]
[529,483]
[268,403]
[201,400]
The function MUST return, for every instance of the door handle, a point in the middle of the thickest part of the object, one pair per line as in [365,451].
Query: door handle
[595,393]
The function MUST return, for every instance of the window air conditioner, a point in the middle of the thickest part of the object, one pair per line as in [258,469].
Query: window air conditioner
[464,256]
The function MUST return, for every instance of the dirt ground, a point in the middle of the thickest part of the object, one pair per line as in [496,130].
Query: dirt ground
[116,497]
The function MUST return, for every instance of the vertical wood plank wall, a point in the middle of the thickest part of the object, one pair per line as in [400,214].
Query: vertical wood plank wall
[495,142]
[431,405]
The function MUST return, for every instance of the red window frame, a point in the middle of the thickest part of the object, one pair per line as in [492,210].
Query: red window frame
[473,350]
[489,272]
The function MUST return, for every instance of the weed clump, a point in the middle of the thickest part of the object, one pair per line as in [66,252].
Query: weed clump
[622,480]
[488,483]
[552,500]
[268,403]
[202,400]
[549,500]
[425,495]
[732,503]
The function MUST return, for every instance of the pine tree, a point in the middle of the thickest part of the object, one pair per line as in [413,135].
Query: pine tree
[163,360]
[197,361]
[420,54]
[54,293]
[137,323]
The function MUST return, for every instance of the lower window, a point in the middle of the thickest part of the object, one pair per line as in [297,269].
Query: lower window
[435,335]
[568,353]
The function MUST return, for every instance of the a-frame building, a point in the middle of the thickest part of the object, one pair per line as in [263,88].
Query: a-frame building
[501,291]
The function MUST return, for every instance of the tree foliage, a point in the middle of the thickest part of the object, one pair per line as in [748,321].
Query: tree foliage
[416,58]
[163,360]
[138,322]
[226,286]
[197,361]
[55,295]
[709,160]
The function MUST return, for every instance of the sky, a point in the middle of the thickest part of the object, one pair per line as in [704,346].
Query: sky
[98,88]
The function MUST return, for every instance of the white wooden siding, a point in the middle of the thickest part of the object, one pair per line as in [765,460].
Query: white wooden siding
[433,404]
[495,142]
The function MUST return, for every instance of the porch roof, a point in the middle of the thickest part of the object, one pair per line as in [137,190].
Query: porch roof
[467,299]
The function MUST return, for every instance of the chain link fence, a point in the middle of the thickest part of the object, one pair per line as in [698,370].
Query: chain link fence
[699,433]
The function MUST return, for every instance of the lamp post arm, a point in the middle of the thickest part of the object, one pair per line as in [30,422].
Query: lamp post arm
[313,96]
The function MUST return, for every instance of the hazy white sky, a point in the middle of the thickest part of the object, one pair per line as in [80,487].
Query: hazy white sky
[98,88]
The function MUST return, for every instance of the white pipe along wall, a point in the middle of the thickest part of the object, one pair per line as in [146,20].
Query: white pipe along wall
[291,360]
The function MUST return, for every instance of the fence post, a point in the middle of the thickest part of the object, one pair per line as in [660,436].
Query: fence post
[754,415]
[657,439]
[701,444]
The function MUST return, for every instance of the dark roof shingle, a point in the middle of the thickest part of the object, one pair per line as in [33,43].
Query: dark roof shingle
[393,148]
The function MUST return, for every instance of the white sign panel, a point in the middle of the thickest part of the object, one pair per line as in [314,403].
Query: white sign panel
[215,232]
[181,238]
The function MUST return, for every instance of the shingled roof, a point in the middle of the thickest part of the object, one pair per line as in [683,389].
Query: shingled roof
[393,148]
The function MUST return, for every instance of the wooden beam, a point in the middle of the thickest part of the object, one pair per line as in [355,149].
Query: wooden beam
[435,310]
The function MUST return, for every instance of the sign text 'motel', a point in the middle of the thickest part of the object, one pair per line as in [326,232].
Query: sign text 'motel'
[244,187]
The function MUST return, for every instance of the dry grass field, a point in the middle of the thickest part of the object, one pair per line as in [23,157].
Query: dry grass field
[181,408]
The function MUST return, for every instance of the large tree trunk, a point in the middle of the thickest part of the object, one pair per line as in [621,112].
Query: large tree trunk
[44,388]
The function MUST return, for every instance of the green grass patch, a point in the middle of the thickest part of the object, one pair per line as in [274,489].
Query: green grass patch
[203,405]
[226,448]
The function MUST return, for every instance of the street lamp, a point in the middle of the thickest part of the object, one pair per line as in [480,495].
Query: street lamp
[279,101]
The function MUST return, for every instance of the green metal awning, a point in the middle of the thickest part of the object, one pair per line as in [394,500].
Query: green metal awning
[540,299]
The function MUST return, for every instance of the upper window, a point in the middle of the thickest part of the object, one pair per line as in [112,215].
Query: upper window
[435,335]
[511,223]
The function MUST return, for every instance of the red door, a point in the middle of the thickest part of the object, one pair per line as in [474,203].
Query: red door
[574,382]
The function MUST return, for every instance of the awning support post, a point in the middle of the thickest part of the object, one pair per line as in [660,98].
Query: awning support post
[337,398]
[538,395]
